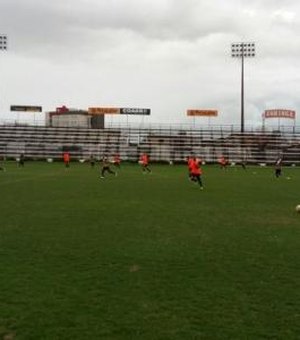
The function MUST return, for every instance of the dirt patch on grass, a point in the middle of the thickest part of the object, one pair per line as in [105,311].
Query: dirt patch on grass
[134,268]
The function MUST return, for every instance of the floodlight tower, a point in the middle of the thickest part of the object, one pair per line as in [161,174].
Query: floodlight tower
[3,42]
[242,50]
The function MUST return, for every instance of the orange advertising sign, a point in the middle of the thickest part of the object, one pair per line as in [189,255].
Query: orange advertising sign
[204,113]
[280,113]
[103,110]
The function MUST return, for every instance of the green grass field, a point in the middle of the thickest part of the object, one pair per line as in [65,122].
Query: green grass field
[149,256]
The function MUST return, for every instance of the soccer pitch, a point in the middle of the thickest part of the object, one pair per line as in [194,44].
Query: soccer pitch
[149,256]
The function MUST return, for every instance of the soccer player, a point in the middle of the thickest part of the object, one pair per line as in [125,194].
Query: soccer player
[196,172]
[66,158]
[243,164]
[117,161]
[106,167]
[2,168]
[21,161]
[223,162]
[144,161]
[278,167]
[92,161]
[190,161]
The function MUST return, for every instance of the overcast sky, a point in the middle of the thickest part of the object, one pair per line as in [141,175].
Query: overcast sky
[167,55]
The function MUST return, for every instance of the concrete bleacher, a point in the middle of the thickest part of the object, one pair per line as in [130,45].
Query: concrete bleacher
[40,143]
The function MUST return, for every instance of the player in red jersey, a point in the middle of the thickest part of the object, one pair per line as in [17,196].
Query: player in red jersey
[144,161]
[66,158]
[223,162]
[196,172]
[117,161]
[190,161]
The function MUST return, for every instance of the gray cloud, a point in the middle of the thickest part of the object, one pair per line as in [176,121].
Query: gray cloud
[169,55]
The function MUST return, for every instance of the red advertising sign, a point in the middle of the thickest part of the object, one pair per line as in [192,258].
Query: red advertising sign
[279,113]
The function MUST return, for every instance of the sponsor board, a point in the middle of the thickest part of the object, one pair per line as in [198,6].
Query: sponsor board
[279,113]
[116,110]
[26,108]
[204,113]
[134,111]
[103,110]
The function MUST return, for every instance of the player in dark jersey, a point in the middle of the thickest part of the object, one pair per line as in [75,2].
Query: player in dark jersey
[2,168]
[92,161]
[278,167]
[106,167]
[21,161]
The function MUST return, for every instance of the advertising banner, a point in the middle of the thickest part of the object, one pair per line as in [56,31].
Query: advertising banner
[116,110]
[103,110]
[203,113]
[25,108]
[135,111]
[280,113]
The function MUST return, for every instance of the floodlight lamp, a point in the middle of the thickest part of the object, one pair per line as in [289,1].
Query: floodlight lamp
[3,42]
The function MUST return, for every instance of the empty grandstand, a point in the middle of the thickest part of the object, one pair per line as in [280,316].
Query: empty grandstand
[161,143]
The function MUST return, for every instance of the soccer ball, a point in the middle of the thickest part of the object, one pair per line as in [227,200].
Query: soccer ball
[298,208]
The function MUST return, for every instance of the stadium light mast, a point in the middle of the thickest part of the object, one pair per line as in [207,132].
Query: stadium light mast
[3,42]
[242,50]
